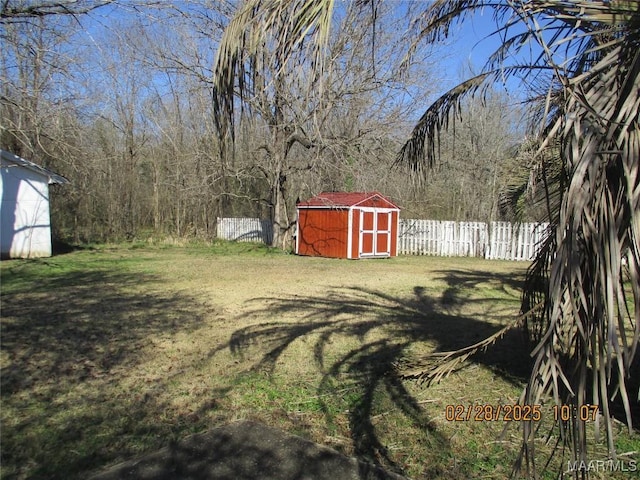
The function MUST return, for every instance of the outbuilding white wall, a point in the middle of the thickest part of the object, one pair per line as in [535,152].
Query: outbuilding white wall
[24,213]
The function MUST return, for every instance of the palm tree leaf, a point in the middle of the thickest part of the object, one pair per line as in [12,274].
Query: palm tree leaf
[591,106]
[420,150]
[433,367]
[286,25]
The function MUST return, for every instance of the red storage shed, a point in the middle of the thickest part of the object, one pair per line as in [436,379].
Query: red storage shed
[347,225]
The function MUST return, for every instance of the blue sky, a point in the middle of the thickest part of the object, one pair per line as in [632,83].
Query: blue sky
[471,45]
[466,51]
[472,41]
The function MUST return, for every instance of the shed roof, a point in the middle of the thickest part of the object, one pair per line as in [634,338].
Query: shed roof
[345,199]
[21,162]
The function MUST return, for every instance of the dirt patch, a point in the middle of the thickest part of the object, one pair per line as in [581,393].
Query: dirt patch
[245,451]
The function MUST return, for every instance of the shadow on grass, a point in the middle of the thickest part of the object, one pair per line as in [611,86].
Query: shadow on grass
[386,330]
[461,282]
[61,247]
[66,340]
[244,451]
[80,325]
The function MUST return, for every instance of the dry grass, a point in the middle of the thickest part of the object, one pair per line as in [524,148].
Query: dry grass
[112,352]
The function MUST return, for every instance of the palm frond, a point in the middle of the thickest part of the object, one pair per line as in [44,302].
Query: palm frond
[587,319]
[420,150]
[586,335]
[436,366]
[284,26]
[615,12]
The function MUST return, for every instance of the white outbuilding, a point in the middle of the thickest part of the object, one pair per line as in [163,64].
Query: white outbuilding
[25,221]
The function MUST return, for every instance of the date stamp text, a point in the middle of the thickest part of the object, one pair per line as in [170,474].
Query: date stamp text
[517,413]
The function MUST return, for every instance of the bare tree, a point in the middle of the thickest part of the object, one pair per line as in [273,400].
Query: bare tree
[476,160]
[310,123]
[128,121]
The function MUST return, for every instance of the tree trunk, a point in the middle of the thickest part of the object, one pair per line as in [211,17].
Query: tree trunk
[281,237]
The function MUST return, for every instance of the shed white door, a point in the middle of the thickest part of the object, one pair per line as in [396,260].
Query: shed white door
[375,233]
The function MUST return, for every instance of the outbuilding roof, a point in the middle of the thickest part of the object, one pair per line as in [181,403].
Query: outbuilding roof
[21,162]
[346,199]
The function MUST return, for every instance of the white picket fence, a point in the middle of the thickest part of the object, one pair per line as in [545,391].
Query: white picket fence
[497,241]
[442,238]
[516,242]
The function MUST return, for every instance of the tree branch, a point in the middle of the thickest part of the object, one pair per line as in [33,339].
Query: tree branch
[11,11]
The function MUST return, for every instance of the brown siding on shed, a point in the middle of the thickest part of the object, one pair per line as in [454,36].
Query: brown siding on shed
[355,228]
[323,232]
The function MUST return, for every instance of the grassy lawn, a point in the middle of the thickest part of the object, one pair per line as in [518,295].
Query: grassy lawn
[111,352]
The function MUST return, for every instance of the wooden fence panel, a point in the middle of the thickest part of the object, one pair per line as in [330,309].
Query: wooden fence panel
[244,229]
[419,237]
[472,239]
[500,240]
[531,238]
[515,242]
[500,247]
[442,238]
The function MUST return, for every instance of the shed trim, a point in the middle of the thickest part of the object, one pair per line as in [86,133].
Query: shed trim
[349,235]
[375,231]
[21,162]
[337,200]
[297,231]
